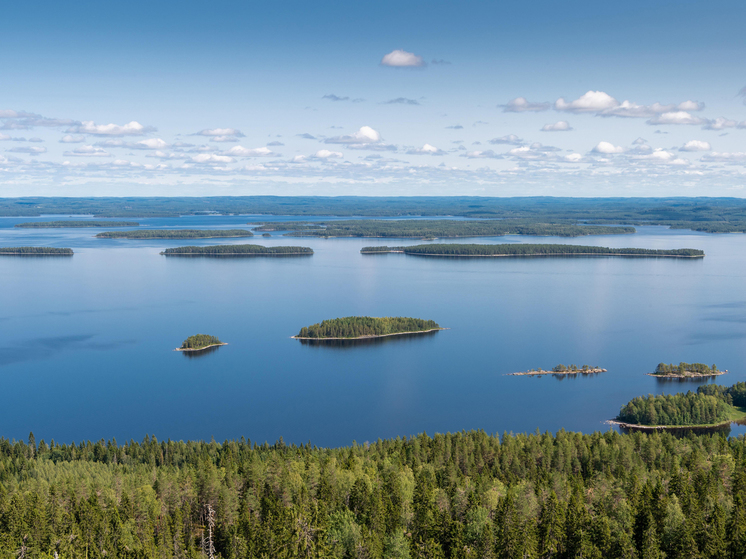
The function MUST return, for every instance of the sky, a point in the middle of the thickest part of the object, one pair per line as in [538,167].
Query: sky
[634,98]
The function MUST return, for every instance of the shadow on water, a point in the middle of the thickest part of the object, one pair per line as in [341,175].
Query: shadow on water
[202,353]
[44,348]
[368,342]
[683,432]
[689,380]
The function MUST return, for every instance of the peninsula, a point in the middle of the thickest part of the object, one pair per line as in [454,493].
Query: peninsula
[238,250]
[710,406]
[560,370]
[175,234]
[686,370]
[520,249]
[364,327]
[199,342]
[438,228]
[74,224]
[35,251]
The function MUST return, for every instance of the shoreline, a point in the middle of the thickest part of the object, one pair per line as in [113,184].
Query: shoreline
[168,238]
[568,254]
[236,254]
[636,426]
[372,337]
[542,372]
[687,376]
[190,349]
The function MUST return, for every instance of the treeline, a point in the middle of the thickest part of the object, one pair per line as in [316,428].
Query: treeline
[676,410]
[59,224]
[456,496]
[36,251]
[199,341]
[683,368]
[175,234]
[563,369]
[236,250]
[520,249]
[359,326]
[441,228]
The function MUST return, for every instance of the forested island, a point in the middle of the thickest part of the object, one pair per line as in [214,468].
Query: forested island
[75,224]
[175,234]
[520,249]
[438,228]
[237,250]
[36,251]
[561,370]
[199,342]
[686,370]
[463,495]
[710,406]
[360,327]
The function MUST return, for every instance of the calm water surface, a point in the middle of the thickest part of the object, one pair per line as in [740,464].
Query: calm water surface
[86,345]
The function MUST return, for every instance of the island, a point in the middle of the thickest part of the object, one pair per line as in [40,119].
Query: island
[35,251]
[175,234]
[366,327]
[75,224]
[710,406]
[560,370]
[199,342]
[266,235]
[686,371]
[238,250]
[520,249]
[430,229]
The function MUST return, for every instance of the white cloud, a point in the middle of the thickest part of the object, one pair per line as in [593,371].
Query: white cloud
[151,143]
[486,154]
[676,117]
[561,126]
[607,148]
[661,156]
[402,59]
[640,141]
[520,105]
[715,157]
[366,135]
[427,149]
[690,106]
[32,150]
[241,151]
[68,139]
[696,145]
[326,154]
[4,137]
[217,132]
[130,129]
[590,102]
[88,151]
[720,123]
[511,139]
[224,139]
[573,158]
[212,158]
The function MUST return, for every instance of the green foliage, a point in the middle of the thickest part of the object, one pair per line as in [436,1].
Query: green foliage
[237,250]
[175,234]
[359,326]
[676,409]
[563,369]
[685,368]
[71,223]
[520,249]
[199,341]
[36,251]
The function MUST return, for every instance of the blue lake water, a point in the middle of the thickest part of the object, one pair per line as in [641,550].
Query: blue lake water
[86,345]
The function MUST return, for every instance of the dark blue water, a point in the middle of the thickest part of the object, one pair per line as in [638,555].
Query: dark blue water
[86,345]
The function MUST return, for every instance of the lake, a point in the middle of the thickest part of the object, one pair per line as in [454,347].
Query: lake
[87,342]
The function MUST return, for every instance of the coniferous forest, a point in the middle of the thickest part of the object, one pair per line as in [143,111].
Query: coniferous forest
[237,250]
[175,234]
[199,341]
[365,326]
[521,249]
[36,251]
[73,224]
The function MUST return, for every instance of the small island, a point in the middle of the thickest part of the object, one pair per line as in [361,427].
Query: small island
[686,371]
[520,249]
[366,327]
[199,342]
[561,370]
[175,234]
[238,250]
[35,251]
[75,224]
[711,406]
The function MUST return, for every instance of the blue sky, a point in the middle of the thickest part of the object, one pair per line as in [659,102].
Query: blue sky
[195,98]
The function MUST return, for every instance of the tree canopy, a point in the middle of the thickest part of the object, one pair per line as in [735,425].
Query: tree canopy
[364,326]
[525,249]
[36,251]
[237,250]
[199,341]
[71,223]
[175,234]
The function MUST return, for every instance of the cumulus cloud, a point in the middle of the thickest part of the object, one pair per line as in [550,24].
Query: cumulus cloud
[677,117]
[401,101]
[37,140]
[88,151]
[366,135]
[306,136]
[510,139]
[218,132]
[327,154]
[627,109]
[211,158]
[521,105]
[4,137]
[151,143]
[31,150]
[640,141]
[661,156]
[715,157]
[720,123]
[455,127]
[402,59]
[427,149]
[696,145]
[240,151]
[561,126]
[333,97]
[607,148]
[130,129]
[275,144]
[486,154]
[590,102]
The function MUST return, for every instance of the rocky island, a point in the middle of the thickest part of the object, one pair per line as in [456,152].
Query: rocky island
[686,371]
[366,327]
[199,342]
[35,251]
[561,370]
[521,249]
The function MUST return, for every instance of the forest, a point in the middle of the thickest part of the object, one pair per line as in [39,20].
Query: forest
[175,234]
[237,250]
[36,251]
[200,341]
[682,368]
[70,223]
[441,228]
[365,326]
[520,249]
[463,495]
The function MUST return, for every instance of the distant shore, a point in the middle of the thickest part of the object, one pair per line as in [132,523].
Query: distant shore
[371,337]
[541,372]
[532,255]
[199,348]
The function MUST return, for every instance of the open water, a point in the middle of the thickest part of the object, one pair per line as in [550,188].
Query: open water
[86,343]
